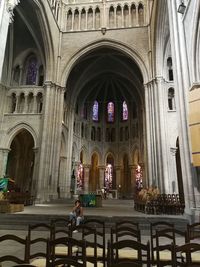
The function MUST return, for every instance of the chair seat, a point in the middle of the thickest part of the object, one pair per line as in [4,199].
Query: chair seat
[164,255]
[195,256]
[39,262]
[90,264]
[64,250]
[90,252]
[128,253]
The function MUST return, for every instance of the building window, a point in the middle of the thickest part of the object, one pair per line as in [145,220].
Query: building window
[108,176]
[110,112]
[80,178]
[170,69]
[125,111]
[171,99]
[95,111]
[31,75]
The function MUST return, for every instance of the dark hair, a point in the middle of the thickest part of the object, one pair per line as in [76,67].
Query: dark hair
[77,201]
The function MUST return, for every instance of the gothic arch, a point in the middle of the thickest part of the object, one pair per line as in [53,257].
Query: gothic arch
[131,52]
[12,132]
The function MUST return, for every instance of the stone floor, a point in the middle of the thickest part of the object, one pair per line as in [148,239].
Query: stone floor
[111,210]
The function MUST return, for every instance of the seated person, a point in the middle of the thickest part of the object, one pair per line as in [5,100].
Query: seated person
[77,213]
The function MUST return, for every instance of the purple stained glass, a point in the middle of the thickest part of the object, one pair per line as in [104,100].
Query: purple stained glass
[31,71]
[110,111]
[95,111]
[125,111]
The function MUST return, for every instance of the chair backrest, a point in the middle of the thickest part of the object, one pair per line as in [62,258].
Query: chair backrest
[48,228]
[124,232]
[127,223]
[68,262]
[61,227]
[13,240]
[99,226]
[189,255]
[70,243]
[37,242]
[193,231]
[159,225]
[142,255]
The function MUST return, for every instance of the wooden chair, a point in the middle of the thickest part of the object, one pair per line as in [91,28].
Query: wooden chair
[128,251]
[190,255]
[7,240]
[164,240]
[37,246]
[100,237]
[153,227]
[72,255]
[89,234]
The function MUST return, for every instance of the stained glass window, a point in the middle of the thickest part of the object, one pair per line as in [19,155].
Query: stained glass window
[125,111]
[110,111]
[31,71]
[108,177]
[138,177]
[80,178]
[95,111]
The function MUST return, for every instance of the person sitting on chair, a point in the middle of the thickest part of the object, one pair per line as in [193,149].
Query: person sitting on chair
[77,213]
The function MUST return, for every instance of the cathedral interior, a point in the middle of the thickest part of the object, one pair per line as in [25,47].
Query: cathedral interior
[100,94]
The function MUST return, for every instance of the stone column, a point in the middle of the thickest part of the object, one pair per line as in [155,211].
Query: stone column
[101,176]
[50,143]
[173,185]
[182,83]
[136,14]
[3,160]
[132,171]
[118,181]
[118,176]
[6,16]
[86,177]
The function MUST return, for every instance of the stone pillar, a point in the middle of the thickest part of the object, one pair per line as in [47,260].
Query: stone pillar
[6,16]
[133,171]
[136,14]
[173,185]
[129,16]
[50,143]
[101,176]
[118,176]
[182,83]
[86,177]
[3,160]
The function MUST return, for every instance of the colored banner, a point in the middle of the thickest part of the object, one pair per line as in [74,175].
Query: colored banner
[3,184]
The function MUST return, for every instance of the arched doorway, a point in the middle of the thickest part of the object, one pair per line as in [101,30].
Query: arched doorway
[94,174]
[20,164]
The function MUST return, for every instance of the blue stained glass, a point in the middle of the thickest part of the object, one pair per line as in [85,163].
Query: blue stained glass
[110,111]
[95,111]
[31,71]
[125,111]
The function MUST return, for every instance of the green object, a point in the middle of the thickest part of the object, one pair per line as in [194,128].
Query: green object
[3,184]
[88,200]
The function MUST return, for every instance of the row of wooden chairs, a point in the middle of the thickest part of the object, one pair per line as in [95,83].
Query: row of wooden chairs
[59,243]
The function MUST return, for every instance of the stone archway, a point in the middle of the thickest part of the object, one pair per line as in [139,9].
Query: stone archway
[20,164]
